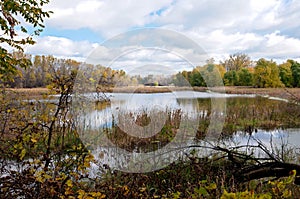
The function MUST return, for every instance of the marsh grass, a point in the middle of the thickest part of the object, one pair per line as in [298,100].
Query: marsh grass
[131,143]
[242,115]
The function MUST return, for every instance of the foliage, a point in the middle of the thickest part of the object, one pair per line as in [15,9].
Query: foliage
[17,18]
[197,78]
[266,74]
[231,78]
[238,70]
[41,142]
[285,74]
[245,77]
[275,189]
[237,61]
[295,72]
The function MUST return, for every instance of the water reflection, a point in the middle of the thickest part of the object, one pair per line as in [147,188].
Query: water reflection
[190,103]
[266,120]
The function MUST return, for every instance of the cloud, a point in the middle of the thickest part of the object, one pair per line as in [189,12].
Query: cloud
[106,17]
[268,28]
[61,47]
[276,46]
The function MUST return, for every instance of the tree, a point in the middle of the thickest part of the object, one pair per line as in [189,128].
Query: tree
[245,77]
[285,73]
[230,78]
[212,75]
[295,67]
[12,13]
[266,74]
[196,78]
[180,79]
[237,61]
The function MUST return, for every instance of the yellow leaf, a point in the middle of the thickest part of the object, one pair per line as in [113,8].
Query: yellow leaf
[33,140]
[81,194]
[69,183]
[23,153]
[143,189]
[68,192]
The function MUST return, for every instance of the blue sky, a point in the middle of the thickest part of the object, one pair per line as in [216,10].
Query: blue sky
[259,28]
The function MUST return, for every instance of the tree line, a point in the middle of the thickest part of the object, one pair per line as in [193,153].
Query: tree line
[43,70]
[237,70]
[240,70]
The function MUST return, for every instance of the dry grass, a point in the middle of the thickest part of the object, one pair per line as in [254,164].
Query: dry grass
[154,89]
[29,92]
[285,93]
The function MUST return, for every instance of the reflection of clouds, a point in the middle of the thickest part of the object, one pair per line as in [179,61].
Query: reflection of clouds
[139,102]
[271,139]
[192,104]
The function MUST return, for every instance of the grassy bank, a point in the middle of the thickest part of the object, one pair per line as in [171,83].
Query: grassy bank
[286,93]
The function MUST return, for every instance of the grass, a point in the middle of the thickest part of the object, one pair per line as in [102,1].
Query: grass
[285,93]
[29,93]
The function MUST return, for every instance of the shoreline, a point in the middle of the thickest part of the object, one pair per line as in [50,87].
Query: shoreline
[284,93]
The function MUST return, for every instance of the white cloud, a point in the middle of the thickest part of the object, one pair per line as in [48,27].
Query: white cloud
[61,47]
[106,17]
[268,28]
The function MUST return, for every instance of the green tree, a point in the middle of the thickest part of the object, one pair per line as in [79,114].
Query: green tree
[12,13]
[285,73]
[230,78]
[196,78]
[295,67]
[266,74]
[245,77]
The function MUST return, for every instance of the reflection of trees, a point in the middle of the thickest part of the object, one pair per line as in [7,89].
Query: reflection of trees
[245,114]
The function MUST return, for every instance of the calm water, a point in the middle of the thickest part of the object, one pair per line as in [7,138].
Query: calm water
[195,107]
[190,103]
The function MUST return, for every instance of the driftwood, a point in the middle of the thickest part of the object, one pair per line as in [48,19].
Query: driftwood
[246,167]
[266,170]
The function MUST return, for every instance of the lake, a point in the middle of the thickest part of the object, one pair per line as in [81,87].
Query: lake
[143,132]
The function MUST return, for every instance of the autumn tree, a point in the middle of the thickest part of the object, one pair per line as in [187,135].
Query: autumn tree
[24,19]
[237,61]
[212,74]
[42,70]
[266,74]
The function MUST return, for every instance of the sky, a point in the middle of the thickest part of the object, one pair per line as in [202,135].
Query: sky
[137,33]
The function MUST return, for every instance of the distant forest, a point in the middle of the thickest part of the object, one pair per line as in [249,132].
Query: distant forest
[237,70]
